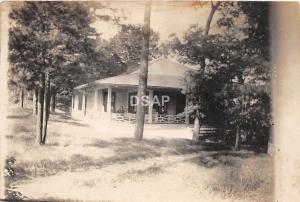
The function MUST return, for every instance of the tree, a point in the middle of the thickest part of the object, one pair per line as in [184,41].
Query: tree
[143,75]
[253,102]
[40,109]
[201,58]
[232,87]
[55,39]
[127,46]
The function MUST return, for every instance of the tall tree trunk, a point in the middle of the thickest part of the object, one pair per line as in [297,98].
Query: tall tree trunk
[202,64]
[237,139]
[210,17]
[196,129]
[40,109]
[46,108]
[35,101]
[53,99]
[143,75]
[270,145]
[22,98]
[207,27]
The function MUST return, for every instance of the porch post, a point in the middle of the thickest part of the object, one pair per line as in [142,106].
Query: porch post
[150,107]
[186,110]
[72,103]
[76,100]
[101,104]
[83,104]
[96,103]
[108,106]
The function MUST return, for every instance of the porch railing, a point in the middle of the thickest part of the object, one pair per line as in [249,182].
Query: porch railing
[131,118]
[156,118]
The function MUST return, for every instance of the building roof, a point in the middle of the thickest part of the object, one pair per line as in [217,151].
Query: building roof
[162,73]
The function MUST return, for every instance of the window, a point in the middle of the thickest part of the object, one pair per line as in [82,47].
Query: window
[80,102]
[131,106]
[113,101]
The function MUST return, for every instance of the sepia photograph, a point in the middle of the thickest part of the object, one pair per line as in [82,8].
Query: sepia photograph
[148,101]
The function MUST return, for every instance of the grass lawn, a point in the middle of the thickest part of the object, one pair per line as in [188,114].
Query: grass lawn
[81,162]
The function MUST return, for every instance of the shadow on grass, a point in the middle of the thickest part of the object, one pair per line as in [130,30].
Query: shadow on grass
[209,155]
[99,144]
[26,116]
[25,138]
[19,113]
[125,149]
[134,174]
[65,118]
[21,130]
[19,124]
[19,116]
[175,146]
[70,122]
[129,150]
[247,177]
[221,158]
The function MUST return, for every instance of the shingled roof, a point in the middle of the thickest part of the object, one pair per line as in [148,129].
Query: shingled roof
[162,73]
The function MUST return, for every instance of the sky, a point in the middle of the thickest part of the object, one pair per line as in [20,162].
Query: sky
[166,18]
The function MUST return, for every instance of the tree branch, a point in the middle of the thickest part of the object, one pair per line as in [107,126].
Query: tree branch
[210,17]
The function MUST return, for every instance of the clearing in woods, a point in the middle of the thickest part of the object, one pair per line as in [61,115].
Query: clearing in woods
[106,163]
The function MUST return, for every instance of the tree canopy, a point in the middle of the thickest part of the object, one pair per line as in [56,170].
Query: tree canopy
[127,45]
[232,86]
[55,37]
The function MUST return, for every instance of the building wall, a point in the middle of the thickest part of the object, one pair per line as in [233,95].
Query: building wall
[90,100]
[75,111]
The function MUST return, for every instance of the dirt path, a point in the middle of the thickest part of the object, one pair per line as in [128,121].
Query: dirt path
[81,162]
[156,179]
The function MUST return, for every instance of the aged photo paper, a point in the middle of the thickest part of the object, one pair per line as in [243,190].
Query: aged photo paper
[150,101]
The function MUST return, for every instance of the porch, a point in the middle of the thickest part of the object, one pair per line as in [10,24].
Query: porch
[117,104]
[111,98]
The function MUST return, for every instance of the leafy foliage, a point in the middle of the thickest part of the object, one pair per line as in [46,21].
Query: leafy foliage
[232,86]
[55,37]
[127,46]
